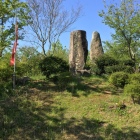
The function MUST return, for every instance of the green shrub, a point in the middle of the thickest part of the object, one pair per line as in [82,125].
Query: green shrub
[134,78]
[6,73]
[27,68]
[52,65]
[95,69]
[6,70]
[128,62]
[107,60]
[119,79]
[5,89]
[106,65]
[27,62]
[103,61]
[117,68]
[133,90]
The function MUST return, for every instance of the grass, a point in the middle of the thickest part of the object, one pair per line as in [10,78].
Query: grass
[88,110]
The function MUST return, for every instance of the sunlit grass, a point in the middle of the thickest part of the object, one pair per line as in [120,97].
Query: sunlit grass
[38,77]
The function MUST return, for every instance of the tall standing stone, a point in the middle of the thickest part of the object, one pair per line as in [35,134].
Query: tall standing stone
[78,50]
[96,49]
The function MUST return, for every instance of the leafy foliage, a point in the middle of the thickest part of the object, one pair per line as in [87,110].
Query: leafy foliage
[123,65]
[133,89]
[116,50]
[53,65]
[119,79]
[134,78]
[118,68]
[28,59]
[8,11]
[107,64]
[103,61]
[59,51]
[128,62]
[5,69]
[27,63]
[124,19]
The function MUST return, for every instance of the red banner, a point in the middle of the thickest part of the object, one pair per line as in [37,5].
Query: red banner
[12,60]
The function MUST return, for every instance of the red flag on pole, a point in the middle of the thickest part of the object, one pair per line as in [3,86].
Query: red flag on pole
[12,60]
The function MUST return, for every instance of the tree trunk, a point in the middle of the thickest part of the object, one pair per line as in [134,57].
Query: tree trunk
[1,53]
[43,48]
[132,56]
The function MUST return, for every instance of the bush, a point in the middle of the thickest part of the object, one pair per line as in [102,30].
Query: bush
[106,65]
[95,69]
[134,78]
[6,70]
[53,65]
[6,89]
[128,62]
[117,68]
[133,90]
[6,73]
[103,61]
[119,79]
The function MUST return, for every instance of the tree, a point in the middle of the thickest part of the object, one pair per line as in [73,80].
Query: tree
[8,10]
[124,19]
[49,20]
[116,50]
[28,59]
[59,51]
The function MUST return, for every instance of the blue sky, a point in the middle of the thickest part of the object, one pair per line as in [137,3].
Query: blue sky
[89,21]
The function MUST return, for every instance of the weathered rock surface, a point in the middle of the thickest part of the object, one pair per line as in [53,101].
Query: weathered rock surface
[78,50]
[96,49]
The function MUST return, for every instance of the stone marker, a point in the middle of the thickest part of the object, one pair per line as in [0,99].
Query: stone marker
[78,50]
[96,49]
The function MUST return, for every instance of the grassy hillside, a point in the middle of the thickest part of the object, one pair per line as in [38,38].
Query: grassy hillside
[90,109]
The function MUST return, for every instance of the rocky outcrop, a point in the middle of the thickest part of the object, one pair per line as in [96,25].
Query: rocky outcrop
[78,50]
[96,49]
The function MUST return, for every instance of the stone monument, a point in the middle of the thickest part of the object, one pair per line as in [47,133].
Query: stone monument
[78,50]
[96,49]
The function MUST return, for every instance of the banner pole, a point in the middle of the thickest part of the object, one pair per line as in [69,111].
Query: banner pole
[14,80]
[14,74]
